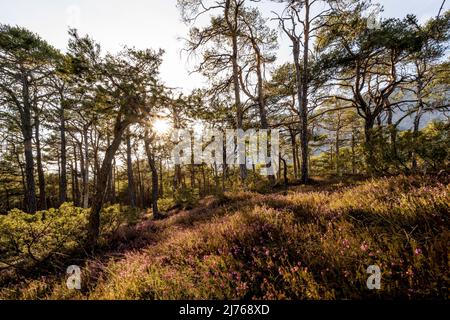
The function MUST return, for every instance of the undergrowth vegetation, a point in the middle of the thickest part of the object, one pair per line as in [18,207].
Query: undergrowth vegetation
[295,244]
[30,240]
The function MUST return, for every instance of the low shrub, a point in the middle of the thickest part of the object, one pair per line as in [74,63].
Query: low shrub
[28,239]
[166,204]
[257,183]
[186,198]
[115,216]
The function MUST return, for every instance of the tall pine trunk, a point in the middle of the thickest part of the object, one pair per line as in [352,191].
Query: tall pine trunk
[161,182]
[27,133]
[77,194]
[232,27]
[155,179]
[304,139]
[131,188]
[86,168]
[40,169]
[294,152]
[416,126]
[63,180]
[370,144]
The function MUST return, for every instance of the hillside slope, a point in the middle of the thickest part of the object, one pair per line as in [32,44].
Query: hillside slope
[302,243]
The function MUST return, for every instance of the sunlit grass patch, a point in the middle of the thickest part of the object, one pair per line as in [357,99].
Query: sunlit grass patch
[289,245]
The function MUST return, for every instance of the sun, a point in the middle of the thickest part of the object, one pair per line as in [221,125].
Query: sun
[161,126]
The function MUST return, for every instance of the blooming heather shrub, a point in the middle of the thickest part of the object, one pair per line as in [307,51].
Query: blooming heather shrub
[314,246]
[402,202]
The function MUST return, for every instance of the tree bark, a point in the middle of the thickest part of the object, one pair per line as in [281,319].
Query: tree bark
[63,180]
[113,184]
[140,184]
[285,171]
[261,99]
[27,133]
[353,146]
[41,175]
[393,135]
[294,152]
[82,168]
[338,146]
[370,147]
[131,186]
[86,168]
[416,127]
[192,164]
[232,26]
[100,188]
[161,184]
[155,180]
[304,98]
[20,164]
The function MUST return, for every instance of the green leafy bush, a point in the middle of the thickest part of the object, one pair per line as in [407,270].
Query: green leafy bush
[165,204]
[27,239]
[115,216]
[433,146]
[30,239]
[185,198]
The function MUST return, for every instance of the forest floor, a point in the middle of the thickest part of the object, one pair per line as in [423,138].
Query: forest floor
[302,242]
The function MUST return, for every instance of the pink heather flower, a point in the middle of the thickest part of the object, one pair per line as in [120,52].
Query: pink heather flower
[418,251]
[364,246]
[346,243]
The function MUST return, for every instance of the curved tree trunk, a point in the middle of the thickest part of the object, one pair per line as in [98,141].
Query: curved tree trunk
[100,188]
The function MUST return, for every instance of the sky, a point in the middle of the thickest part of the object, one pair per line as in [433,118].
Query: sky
[150,24]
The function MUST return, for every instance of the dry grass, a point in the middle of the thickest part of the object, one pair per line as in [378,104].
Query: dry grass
[297,244]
